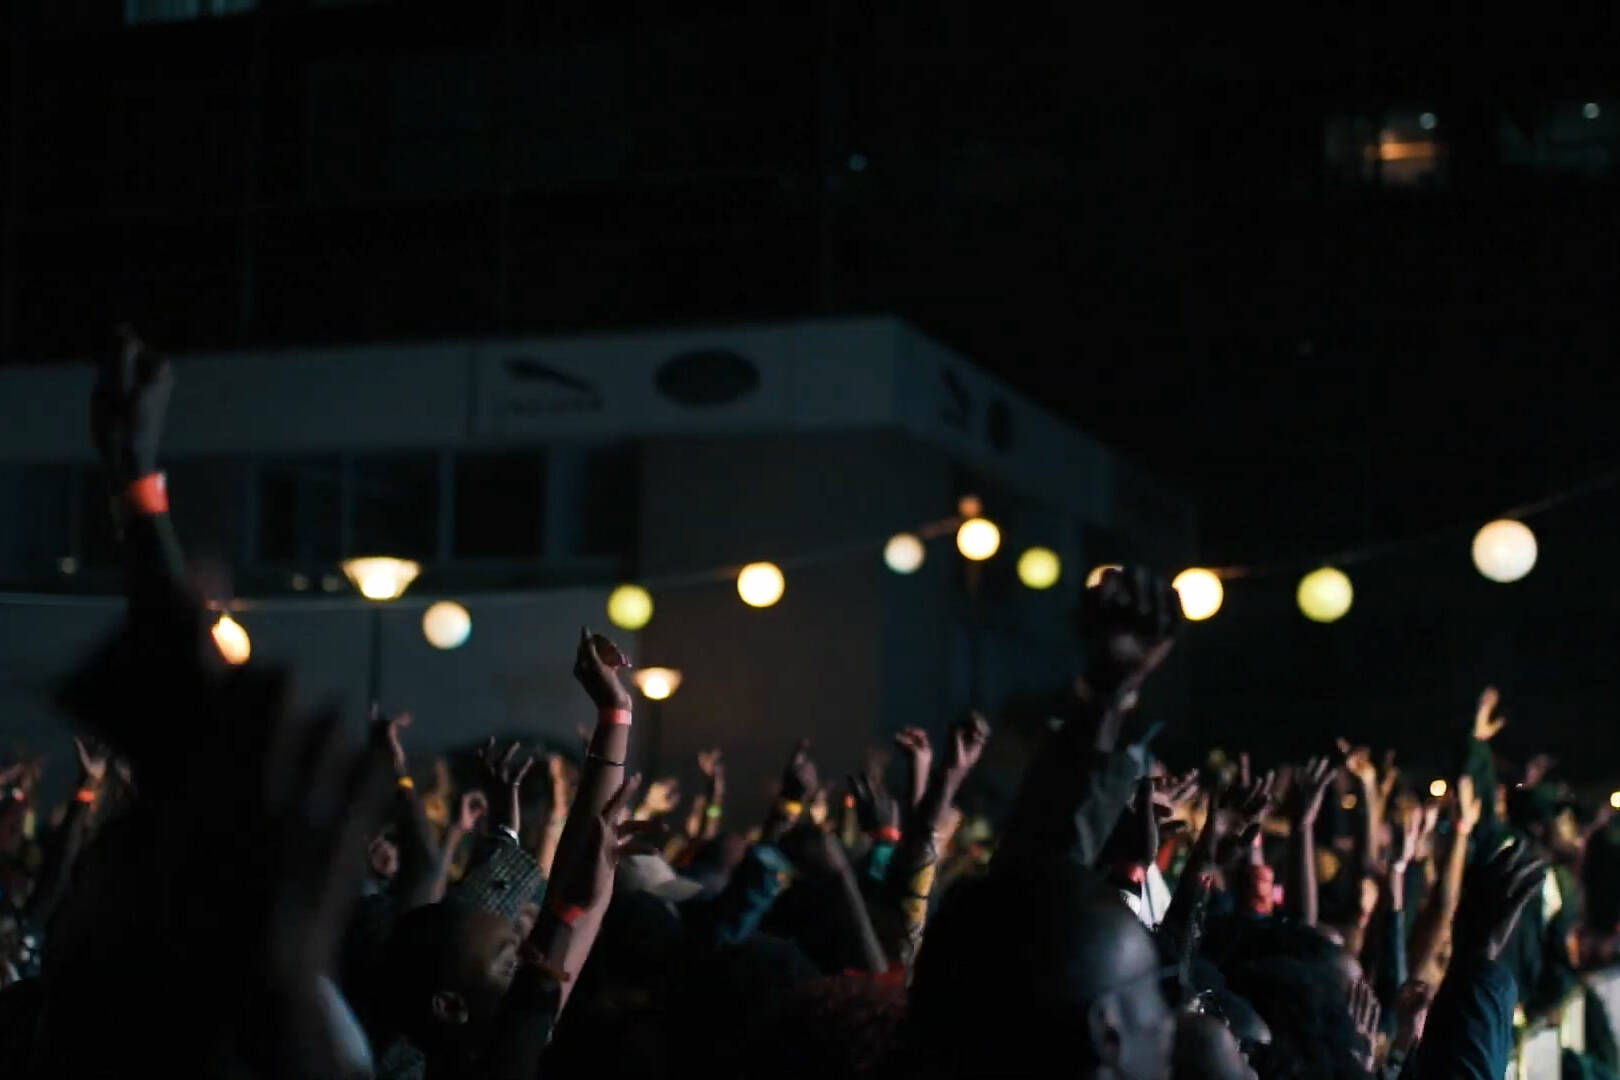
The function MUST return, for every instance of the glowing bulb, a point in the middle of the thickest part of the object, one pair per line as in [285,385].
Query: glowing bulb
[904,553]
[1094,578]
[1505,550]
[380,577]
[760,584]
[1427,121]
[1437,788]
[231,640]
[1324,595]
[657,683]
[446,625]
[1591,111]
[1039,568]
[1200,591]
[630,607]
[1614,799]
[978,538]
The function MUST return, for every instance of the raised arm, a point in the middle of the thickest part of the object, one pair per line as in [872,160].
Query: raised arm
[1309,788]
[415,884]
[1433,926]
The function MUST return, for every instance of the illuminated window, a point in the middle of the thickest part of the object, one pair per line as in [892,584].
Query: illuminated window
[156,11]
[1398,149]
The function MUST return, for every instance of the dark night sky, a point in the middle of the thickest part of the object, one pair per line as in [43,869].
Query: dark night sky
[1133,218]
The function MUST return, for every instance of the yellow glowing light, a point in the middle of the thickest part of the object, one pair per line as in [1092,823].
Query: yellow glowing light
[1324,595]
[657,683]
[231,640]
[1094,578]
[1039,568]
[1505,550]
[1614,799]
[904,553]
[630,607]
[978,538]
[446,625]
[760,584]
[381,577]
[1348,802]
[1200,591]
[1437,788]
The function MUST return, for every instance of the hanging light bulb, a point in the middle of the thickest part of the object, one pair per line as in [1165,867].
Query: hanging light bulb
[1324,595]
[1039,568]
[978,539]
[1437,788]
[760,584]
[630,607]
[231,639]
[446,625]
[1200,591]
[1505,550]
[904,553]
[381,577]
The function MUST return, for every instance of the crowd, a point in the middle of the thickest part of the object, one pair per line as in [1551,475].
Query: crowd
[239,888]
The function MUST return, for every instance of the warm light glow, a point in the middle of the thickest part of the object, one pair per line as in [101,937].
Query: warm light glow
[1324,595]
[1397,150]
[969,506]
[1200,591]
[381,577]
[1505,550]
[1437,788]
[231,640]
[904,553]
[630,607]
[657,683]
[1094,578]
[978,539]
[1614,799]
[446,625]
[1348,802]
[760,584]
[1039,568]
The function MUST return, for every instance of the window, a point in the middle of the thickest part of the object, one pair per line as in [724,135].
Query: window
[396,506]
[156,11]
[1402,148]
[301,511]
[500,505]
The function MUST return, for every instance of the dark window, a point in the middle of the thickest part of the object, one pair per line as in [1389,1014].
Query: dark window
[500,505]
[207,502]
[610,515]
[301,511]
[396,506]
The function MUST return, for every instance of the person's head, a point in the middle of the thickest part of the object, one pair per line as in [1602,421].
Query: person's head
[1543,812]
[1206,1050]
[1055,965]
[450,964]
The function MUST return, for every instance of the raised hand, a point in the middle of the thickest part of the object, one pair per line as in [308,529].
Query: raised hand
[875,807]
[1358,763]
[470,811]
[1130,618]
[1408,836]
[1469,808]
[1388,777]
[799,779]
[1537,768]
[385,729]
[503,781]
[1364,1014]
[596,666]
[93,756]
[1493,894]
[711,764]
[1486,722]
[919,754]
[127,407]
[662,796]
[964,747]
[1310,787]
[608,836]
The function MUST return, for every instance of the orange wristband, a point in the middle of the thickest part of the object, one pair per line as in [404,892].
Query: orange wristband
[85,795]
[888,834]
[614,716]
[567,914]
[148,496]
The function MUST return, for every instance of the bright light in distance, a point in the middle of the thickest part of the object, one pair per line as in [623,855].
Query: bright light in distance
[380,577]
[1324,595]
[760,584]
[977,539]
[1437,788]
[1591,111]
[446,625]
[1427,121]
[231,639]
[1614,799]
[1200,591]
[630,607]
[1039,568]
[1504,550]
[904,553]
[1094,578]
[657,683]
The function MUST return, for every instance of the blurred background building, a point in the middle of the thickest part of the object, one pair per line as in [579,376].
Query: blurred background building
[1343,279]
